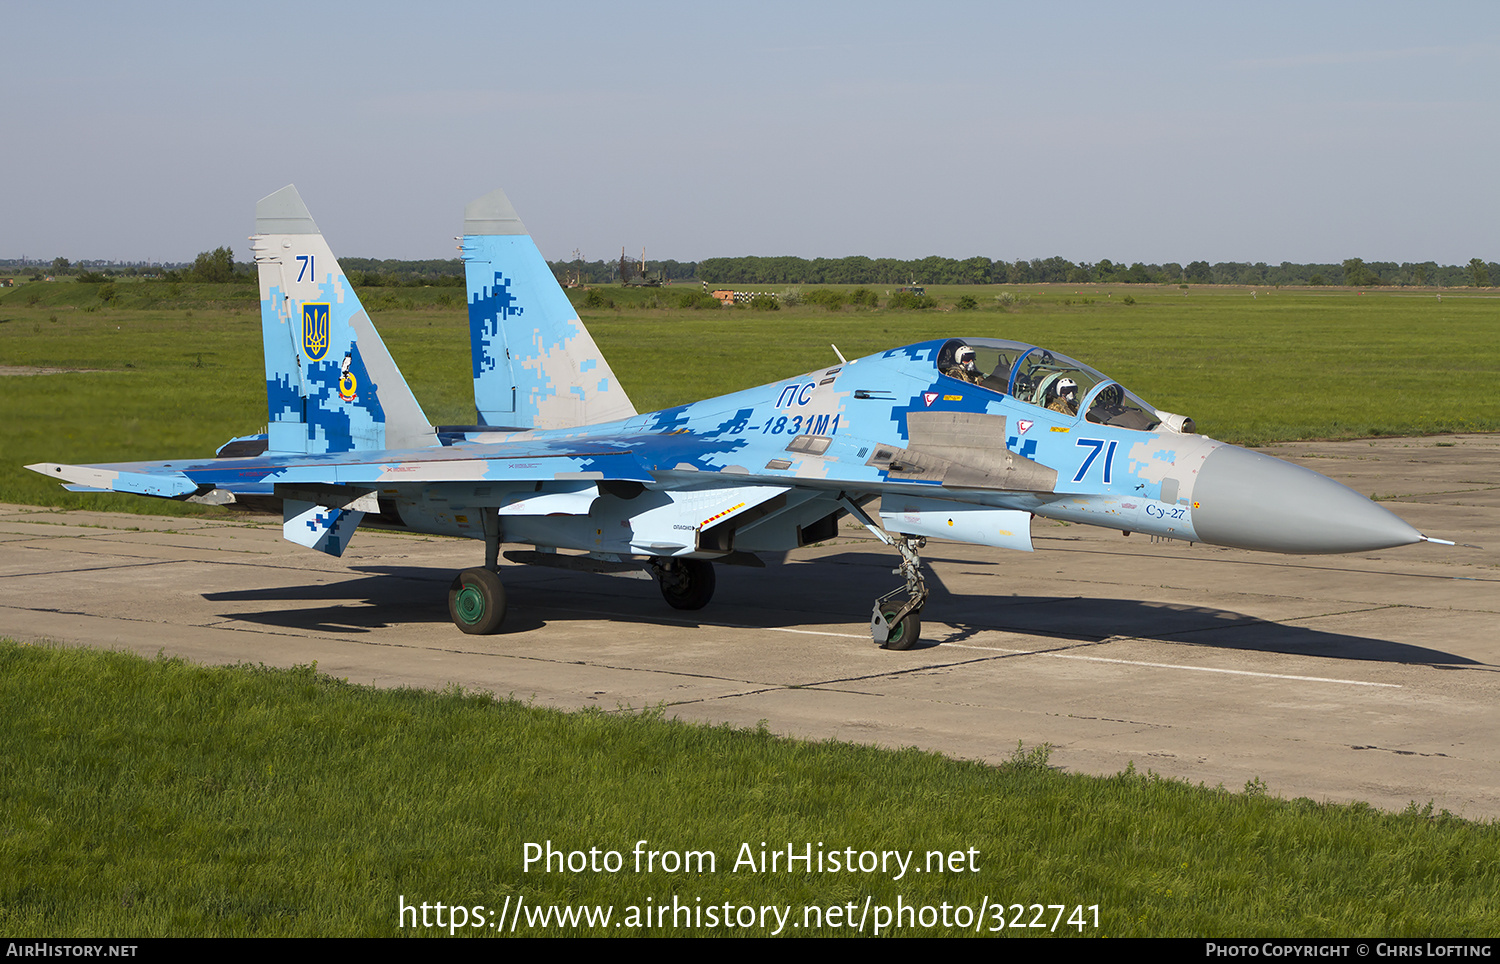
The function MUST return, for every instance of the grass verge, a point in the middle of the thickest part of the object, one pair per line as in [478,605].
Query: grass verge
[156,798]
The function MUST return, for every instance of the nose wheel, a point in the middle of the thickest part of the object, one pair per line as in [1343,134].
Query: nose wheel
[901,632]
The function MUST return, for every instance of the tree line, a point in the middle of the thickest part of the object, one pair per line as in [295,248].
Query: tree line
[215,267]
[1057,270]
[219,266]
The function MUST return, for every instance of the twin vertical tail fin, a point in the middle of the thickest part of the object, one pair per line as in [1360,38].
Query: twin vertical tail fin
[331,385]
[535,365]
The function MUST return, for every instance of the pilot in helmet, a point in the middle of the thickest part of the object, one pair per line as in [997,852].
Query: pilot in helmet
[1063,396]
[964,366]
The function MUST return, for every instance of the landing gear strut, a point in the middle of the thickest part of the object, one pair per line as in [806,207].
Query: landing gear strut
[894,623]
[685,583]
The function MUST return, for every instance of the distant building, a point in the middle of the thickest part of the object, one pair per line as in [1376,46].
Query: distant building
[727,297]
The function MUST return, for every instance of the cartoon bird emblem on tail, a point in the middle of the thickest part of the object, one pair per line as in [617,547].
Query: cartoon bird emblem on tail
[348,384]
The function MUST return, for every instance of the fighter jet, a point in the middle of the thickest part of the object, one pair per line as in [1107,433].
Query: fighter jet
[959,438]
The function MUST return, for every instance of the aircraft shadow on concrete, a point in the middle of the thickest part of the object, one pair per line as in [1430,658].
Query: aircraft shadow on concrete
[394,595]
[833,590]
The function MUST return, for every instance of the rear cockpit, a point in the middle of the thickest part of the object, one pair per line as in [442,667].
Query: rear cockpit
[1048,380]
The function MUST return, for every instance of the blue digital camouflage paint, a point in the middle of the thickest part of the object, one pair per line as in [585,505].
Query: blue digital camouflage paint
[959,438]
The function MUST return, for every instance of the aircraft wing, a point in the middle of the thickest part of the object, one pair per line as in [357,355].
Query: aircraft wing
[519,461]
[324,497]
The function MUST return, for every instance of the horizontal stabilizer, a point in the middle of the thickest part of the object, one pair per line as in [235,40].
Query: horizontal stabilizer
[103,478]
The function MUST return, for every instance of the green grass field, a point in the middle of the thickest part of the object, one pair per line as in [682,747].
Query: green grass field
[156,798]
[177,379]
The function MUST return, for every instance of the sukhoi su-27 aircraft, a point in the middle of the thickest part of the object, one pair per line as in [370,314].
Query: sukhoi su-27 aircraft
[959,438]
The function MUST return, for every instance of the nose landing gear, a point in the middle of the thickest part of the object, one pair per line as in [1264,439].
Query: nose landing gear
[893,623]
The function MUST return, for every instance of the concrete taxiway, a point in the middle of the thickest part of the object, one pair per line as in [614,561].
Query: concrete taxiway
[1370,677]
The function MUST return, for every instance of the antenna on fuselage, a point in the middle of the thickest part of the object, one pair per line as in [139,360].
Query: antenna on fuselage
[842,359]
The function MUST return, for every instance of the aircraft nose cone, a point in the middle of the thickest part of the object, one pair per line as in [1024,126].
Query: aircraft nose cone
[1253,501]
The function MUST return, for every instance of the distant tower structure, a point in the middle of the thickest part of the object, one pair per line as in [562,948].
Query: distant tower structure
[633,273]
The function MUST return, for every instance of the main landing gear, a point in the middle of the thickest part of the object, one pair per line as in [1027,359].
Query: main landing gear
[476,600]
[685,583]
[894,623]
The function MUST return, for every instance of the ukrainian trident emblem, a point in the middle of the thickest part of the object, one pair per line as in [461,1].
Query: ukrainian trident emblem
[315,330]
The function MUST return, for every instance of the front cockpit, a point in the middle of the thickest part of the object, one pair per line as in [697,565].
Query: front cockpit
[1051,381]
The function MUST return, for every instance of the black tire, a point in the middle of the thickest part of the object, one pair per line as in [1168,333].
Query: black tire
[904,635]
[686,583]
[476,601]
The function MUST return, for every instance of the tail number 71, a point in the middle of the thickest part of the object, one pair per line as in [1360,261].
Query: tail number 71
[1097,445]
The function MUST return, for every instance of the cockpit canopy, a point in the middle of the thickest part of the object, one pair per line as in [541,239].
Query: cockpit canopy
[1046,379]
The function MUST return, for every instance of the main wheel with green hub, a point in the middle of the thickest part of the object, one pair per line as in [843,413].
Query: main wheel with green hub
[476,601]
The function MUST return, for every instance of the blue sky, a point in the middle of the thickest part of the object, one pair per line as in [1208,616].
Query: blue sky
[1145,131]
